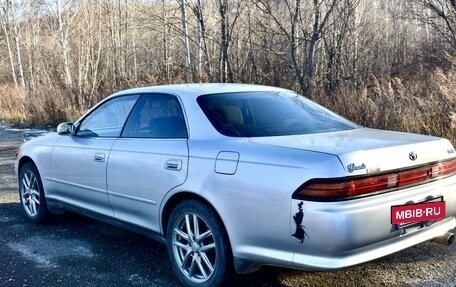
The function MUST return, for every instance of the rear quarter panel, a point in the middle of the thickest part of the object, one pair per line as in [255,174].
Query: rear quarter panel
[254,203]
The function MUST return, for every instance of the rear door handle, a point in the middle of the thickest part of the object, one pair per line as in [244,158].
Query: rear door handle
[173,164]
[100,157]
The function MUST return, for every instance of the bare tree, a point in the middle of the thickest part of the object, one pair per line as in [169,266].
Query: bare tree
[185,40]
[322,11]
[18,47]
[5,21]
[226,35]
[441,16]
[293,10]
[60,10]
[201,42]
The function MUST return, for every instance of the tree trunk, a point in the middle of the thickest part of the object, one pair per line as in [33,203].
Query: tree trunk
[64,47]
[5,22]
[223,41]
[187,58]
[18,48]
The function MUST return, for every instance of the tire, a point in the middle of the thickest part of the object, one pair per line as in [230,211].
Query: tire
[201,256]
[31,194]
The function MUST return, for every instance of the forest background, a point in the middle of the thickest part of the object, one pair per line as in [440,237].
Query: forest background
[381,63]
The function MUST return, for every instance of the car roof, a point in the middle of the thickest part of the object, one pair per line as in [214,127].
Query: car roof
[199,89]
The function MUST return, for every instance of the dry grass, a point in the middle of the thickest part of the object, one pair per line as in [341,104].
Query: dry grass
[425,105]
[421,104]
[39,108]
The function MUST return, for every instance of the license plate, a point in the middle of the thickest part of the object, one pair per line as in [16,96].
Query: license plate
[417,212]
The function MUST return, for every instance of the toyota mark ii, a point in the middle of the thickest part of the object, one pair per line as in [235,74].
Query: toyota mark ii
[232,177]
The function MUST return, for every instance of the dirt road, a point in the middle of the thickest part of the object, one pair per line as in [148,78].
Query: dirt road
[77,251]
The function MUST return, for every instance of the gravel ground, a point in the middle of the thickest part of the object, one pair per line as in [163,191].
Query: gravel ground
[73,250]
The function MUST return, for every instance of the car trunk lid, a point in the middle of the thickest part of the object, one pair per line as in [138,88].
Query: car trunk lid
[367,150]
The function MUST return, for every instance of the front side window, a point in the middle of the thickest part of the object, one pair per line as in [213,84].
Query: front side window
[156,116]
[258,114]
[108,119]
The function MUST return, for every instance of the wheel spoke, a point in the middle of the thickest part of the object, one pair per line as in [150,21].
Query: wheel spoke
[195,226]
[207,262]
[35,192]
[37,201]
[188,225]
[186,259]
[204,236]
[207,247]
[31,180]
[181,246]
[181,234]
[34,183]
[24,182]
[191,270]
[25,193]
[200,267]
[32,208]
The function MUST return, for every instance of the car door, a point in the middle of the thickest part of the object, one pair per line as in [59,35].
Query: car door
[148,160]
[79,161]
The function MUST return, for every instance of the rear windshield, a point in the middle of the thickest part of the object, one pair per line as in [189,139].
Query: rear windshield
[259,114]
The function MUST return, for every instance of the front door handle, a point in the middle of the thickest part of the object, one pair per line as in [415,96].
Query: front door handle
[100,157]
[173,164]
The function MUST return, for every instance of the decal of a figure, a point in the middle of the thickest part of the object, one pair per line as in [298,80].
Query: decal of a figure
[300,233]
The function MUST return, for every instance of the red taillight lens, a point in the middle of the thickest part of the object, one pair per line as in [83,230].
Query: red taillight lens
[447,168]
[327,189]
[413,176]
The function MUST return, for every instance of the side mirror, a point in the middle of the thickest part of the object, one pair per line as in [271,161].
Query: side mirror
[65,128]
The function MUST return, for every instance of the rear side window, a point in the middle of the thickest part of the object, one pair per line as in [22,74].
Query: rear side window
[257,114]
[156,116]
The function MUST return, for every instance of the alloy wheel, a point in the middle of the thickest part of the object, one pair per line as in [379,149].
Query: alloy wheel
[30,194]
[194,247]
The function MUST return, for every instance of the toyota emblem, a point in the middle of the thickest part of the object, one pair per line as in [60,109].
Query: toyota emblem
[413,155]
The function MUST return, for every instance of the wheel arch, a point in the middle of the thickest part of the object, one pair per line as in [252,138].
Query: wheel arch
[241,265]
[179,197]
[23,161]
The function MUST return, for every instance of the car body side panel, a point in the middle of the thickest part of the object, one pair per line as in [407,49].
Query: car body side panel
[79,172]
[140,172]
[260,217]
[254,203]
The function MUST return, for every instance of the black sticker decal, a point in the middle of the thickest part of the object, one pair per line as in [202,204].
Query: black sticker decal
[300,232]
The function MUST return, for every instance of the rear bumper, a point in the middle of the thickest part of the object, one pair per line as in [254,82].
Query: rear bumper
[373,251]
[343,234]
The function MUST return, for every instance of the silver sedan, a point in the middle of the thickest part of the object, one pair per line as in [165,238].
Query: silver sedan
[232,177]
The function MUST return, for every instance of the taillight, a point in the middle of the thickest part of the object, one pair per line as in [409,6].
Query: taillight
[413,176]
[346,188]
[447,168]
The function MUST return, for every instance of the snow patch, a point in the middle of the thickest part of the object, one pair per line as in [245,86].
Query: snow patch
[46,250]
[5,219]
[136,279]
[26,131]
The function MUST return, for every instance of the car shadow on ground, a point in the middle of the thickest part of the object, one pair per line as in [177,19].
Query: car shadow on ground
[75,249]
[72,249]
